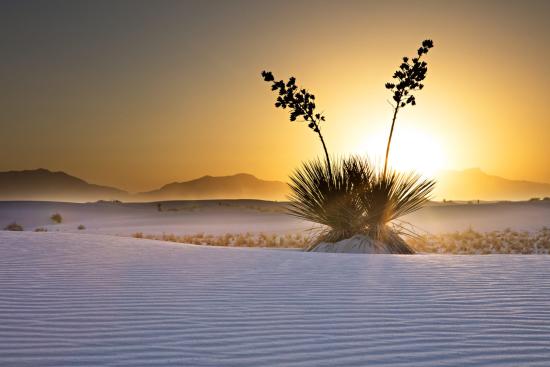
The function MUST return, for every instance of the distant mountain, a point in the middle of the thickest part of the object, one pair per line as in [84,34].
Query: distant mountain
[239,186]
[41,184]
[44,185]
[474,184]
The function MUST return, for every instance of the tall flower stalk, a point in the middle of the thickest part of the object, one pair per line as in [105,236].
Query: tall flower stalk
[408,79]
[301,104]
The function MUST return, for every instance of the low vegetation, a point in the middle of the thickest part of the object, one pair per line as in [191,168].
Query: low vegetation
[271,207]
[13,227]
[41,229]
[235,240]
[81,227]
[56,218]
[467,242]
[257,208]
[496,242]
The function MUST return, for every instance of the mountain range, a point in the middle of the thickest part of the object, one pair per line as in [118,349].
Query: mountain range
[239,186]
[45,185]
[474,184]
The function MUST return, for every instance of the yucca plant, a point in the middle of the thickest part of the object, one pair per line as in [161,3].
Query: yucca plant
[356,200]
[326,198]
[387,196]
[348,197]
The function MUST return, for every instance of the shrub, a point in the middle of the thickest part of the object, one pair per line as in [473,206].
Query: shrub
[324,198]
[40,229]
[355,199]
[81,227]
[13,227]
[56,218]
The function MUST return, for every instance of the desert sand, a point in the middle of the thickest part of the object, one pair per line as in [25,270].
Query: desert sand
[89,300]
[255,216]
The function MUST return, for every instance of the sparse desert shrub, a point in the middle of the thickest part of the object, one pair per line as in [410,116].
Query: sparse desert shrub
[138,235]
[81,227]
[41,229]
[56,218]
[13,227]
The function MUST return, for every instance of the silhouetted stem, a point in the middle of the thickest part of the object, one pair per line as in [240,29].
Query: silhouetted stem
[318,130]
[389,139]
[326,152]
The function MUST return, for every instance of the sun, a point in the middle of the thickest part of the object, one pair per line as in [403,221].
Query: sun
[411,150]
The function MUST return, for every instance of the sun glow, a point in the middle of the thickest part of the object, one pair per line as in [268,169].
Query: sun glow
[411,150]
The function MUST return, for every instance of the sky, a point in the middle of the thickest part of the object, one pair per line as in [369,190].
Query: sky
[136,94]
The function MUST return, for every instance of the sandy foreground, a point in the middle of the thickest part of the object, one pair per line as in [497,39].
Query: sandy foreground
[93,300]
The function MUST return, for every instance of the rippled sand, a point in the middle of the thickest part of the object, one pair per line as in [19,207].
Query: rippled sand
[93,300]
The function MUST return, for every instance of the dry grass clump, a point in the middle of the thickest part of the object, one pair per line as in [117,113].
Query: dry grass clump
[467,242]
[234,239]
[41,229]
[495,242]
[13,227]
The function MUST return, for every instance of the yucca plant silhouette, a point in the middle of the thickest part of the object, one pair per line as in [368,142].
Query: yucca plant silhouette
[387,196]
[408,79]
[327,199]
[347,196]
[301,104]
[359,199]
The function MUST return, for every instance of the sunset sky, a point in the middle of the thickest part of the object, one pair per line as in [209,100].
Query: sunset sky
[136,94]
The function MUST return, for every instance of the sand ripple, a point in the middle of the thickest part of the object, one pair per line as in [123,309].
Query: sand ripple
[90,300]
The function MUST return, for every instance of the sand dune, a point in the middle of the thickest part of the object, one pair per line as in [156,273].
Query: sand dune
[93,300]
[241,216]
[180,217]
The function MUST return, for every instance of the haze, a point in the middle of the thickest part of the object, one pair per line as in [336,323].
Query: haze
[134,96]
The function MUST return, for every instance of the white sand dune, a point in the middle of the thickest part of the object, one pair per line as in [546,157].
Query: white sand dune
[190,217]
[94,300]
[241,216]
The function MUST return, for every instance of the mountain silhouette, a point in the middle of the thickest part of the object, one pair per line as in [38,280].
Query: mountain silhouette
[474,184]
[45,185]
[239,186]
[42,184]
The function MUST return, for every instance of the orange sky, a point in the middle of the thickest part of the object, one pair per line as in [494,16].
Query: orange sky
[138,94]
